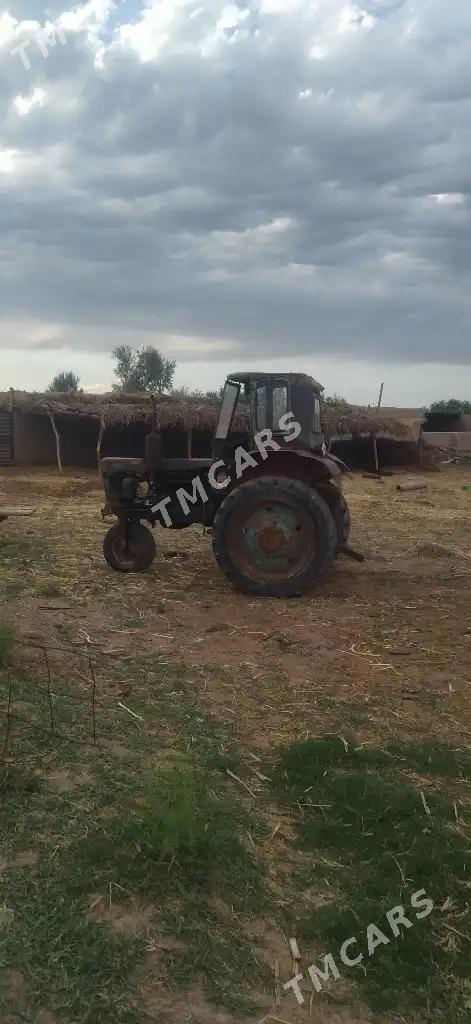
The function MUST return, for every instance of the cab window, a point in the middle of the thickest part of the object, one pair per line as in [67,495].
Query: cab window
[228,404]
[280,404]
[261,407]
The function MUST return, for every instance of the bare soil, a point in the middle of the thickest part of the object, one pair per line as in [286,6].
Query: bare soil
[397,626]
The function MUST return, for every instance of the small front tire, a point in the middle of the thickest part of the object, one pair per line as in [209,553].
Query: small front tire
[129,550]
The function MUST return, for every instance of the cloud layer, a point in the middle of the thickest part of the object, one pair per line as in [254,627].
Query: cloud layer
[279,176]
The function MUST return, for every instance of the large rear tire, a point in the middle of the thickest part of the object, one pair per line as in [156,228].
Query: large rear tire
[342,519]
[274,537]
[131,550]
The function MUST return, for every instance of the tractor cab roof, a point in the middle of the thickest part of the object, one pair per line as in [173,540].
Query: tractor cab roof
[290,378]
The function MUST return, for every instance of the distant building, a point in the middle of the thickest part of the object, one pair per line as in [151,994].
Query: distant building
[449,430]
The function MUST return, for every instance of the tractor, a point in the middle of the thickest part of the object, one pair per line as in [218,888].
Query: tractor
[271,492]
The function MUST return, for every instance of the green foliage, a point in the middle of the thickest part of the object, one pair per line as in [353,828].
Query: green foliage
[7,640]
[184,394]
[334,400]
[66,381]
[451,405]
[142,370]
[181,825]
[378,837]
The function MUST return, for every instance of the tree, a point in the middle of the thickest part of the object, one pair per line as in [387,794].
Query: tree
[65,381]
[334,400]
[144,370]
[451,405]
[185,394]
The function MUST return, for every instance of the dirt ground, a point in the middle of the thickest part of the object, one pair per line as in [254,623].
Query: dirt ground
[391,635]
[398,625]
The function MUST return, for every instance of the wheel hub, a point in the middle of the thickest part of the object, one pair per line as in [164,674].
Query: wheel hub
[271,539]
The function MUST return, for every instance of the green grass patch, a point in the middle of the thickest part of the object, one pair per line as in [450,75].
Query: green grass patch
[12,588]
[433,758]
[184,823]
[49,590]
[148,817]
[173,844]
[23,550]
[378,836]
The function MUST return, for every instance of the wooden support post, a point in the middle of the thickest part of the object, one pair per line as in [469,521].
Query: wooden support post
[375,443]
[12,420]
[99,443]
[375,453]
[58,441]
[420,447]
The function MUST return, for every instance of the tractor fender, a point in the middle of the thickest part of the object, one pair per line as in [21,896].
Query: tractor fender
[298,464]
[333,465]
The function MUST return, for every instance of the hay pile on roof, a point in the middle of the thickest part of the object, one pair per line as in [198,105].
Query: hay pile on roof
[120,409]
[342,420]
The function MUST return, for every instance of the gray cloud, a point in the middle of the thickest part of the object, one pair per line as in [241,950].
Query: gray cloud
[293,180]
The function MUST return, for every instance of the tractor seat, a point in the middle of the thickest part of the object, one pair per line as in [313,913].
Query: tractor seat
[112,465]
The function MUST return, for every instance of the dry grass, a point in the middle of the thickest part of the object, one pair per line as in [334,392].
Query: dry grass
[393,624]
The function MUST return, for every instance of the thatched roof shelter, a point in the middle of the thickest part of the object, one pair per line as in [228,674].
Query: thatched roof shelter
[75,429]
[115,408]
[119,409]
[343,420]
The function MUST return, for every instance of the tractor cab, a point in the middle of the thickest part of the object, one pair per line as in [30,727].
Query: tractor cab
[273,401]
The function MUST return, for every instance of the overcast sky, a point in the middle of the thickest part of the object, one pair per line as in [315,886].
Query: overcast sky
[272,183]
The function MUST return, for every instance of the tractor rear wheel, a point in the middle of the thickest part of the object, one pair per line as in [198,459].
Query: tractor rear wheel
[129,550]
[339,509]
[274,536]
[342,519]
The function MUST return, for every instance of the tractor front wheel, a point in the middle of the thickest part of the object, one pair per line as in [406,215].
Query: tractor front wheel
[129,549]
[274,537]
